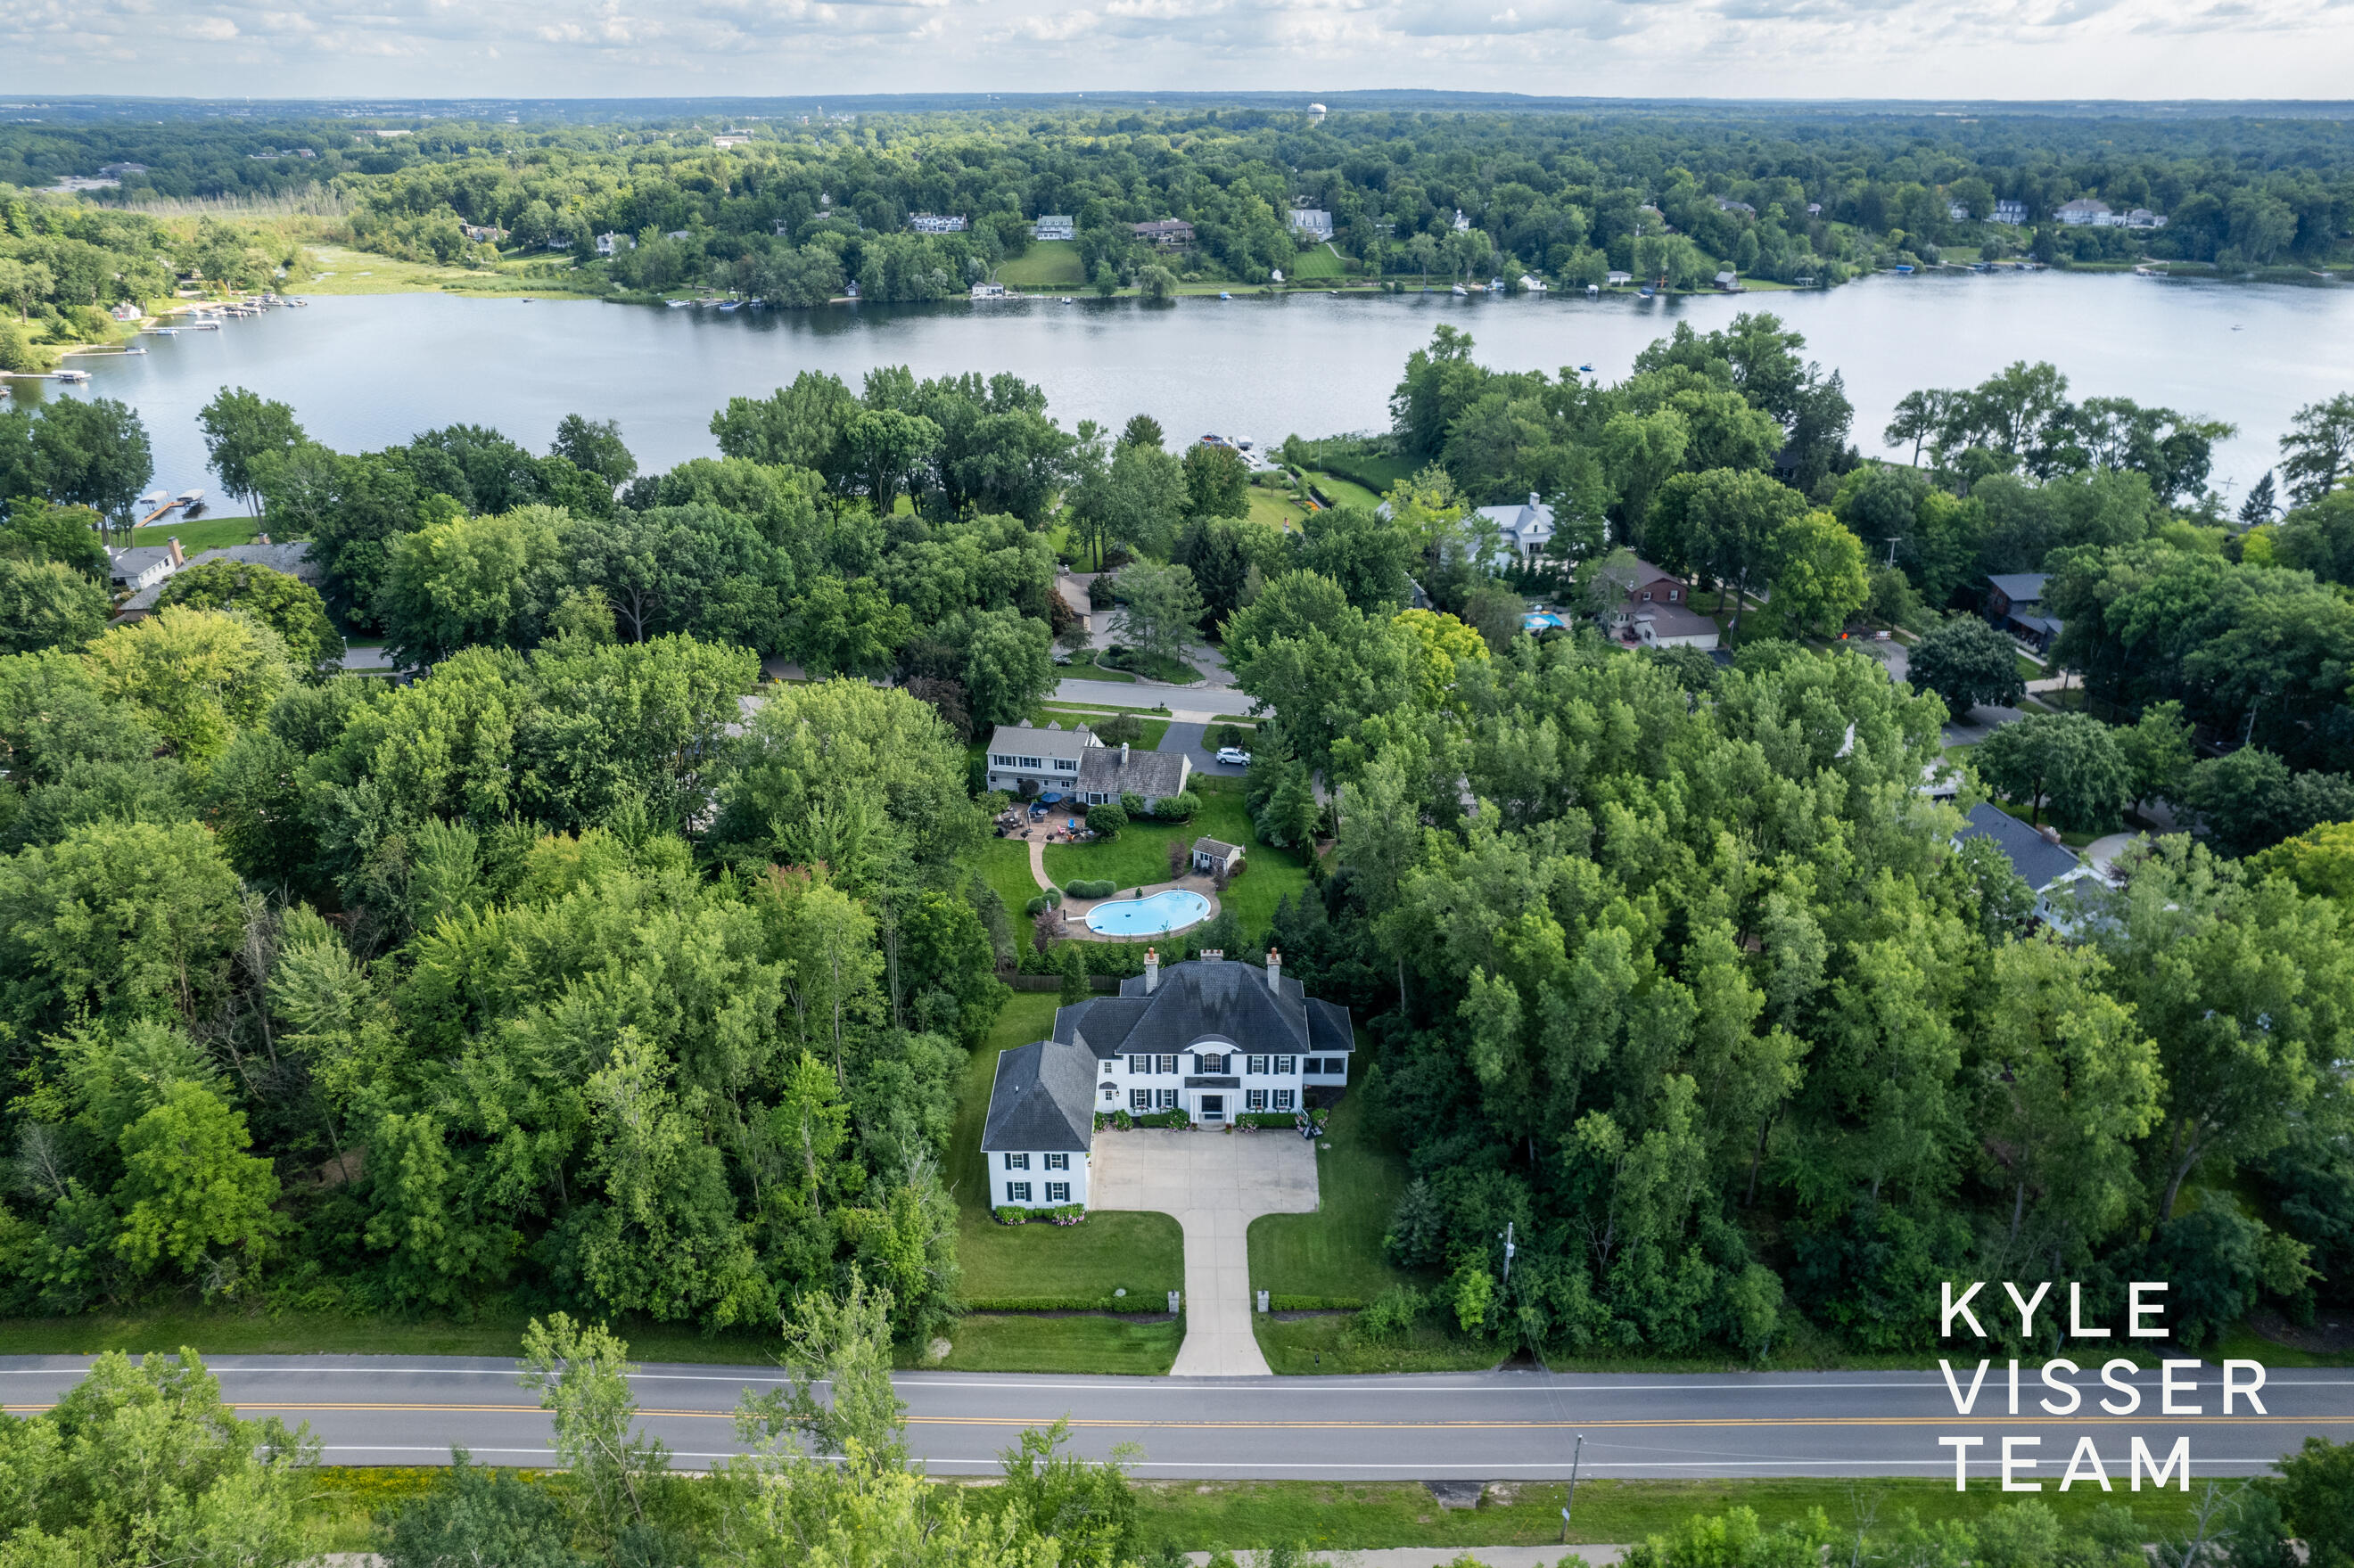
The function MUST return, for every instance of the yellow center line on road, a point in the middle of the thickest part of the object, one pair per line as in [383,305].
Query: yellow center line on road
[1148,1422]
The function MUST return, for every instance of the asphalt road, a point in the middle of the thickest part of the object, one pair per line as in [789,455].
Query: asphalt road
[404,1410]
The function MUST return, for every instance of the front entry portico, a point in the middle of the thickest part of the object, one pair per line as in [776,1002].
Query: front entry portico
[1210,1107]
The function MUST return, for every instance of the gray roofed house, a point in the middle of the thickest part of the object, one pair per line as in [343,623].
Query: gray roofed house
[1210,1038]
[144,566]
[1524,530]
[2037,859]
[2015,604]
[293,558]
[1044,1099]
[1106,774]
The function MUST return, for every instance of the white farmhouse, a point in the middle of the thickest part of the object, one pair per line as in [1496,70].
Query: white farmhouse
[1525,531]
[1208,1039]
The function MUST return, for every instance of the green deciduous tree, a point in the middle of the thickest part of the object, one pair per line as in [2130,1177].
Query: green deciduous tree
[2070,762]
[2318,450]
[1217,482]
[288,606]
[1818,573]
[1160,611]
[1966,662]
[240,427]
[44,604]
[190,1194]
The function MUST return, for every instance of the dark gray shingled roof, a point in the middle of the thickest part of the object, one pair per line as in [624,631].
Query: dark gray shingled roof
[1044,1099]
[1151,774]
[2041,861]
[1205,1001]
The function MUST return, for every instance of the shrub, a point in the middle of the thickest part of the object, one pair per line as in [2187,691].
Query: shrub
[1068,1213]
[1107,820]
[1225,734]
[1011,1214]
[1133,804]
[1164,1119]
[1050,899]
[1089,889]
[1391,1313]
[1178,808]
[1120,728]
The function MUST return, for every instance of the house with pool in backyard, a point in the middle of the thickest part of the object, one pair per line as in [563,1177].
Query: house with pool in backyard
[1054,765]
[1211,1039]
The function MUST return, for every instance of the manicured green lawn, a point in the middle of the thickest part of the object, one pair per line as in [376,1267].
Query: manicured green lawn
[1153,666]
[1047,264]
[1139,856]
[204,534]
[1004,864]
[1086,666]
[1335,1252]
[1153,728]
[987,1342]
[1317,262]
[1110,1250]
[1375,473]
[1364,1515]
[1343,492]
[1277,509]
[230,1333]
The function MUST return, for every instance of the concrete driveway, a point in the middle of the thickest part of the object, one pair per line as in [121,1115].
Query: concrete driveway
[1216,1183]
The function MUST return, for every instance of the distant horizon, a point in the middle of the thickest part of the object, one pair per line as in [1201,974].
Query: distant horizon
[1337,100]
[1565,51]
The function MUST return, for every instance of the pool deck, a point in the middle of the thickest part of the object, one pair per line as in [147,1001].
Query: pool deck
[1075,910]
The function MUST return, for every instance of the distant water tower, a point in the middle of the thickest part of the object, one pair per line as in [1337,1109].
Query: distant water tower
[1315,113]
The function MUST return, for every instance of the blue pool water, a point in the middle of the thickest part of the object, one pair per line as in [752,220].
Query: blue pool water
[1170,911]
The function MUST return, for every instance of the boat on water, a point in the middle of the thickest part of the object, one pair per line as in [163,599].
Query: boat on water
[75,377]
[134,351]
[729,305]
[1224,295]
[1644,292]
[192,496]
[1460,289]
[204,326]
[163,332]
[1067,299]
[678,304]
[149,501]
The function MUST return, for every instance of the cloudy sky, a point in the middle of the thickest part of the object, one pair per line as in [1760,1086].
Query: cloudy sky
[1810,48]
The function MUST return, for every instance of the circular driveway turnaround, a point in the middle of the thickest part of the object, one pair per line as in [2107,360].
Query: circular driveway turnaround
[1216,1183]
[408,1410]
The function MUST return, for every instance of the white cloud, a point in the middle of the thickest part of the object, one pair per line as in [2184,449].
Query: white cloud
[1758,49]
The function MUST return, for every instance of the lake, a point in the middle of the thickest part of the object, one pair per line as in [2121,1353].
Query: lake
[369,371]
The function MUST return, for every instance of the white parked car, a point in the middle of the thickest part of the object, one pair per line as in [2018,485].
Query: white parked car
[1234,757]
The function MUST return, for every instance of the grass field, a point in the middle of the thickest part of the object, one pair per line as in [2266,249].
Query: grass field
[230,1333]
[1375,473]
[1004,864]
[1359,1516]
[1047,264]
[989,1342]
[1141,855]
[1155,728]
[1319,262]
[1277,509]
[1354,1516]
[1343,492]
[365,272]
[1337,1250]
[1143,1253]
[1154,666]
[1085,666]
[204,534]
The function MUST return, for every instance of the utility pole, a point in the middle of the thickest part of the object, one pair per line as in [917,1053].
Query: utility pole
[1575,1457]
[1508,1250]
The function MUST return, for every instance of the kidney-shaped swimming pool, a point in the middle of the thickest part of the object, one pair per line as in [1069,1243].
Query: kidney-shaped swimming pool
[1171,910]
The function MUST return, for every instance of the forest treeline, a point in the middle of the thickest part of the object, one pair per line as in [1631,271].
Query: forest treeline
[794,214]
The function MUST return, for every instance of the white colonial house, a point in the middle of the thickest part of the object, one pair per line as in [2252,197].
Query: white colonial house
[1525,531]
[1074,766]
[1212,1039]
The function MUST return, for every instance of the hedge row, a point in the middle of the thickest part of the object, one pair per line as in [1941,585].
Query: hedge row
[1314,1304]
[1146,1301]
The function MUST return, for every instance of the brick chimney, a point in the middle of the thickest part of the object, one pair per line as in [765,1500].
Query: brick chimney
[178,560]
[1274,970]
[1152,969]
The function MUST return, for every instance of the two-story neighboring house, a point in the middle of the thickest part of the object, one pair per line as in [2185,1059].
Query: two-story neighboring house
[1075,765]
[1654,608]
[1212,1039]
